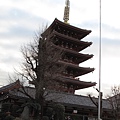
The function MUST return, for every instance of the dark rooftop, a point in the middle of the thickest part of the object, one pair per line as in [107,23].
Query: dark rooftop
[75,100]
[59,97]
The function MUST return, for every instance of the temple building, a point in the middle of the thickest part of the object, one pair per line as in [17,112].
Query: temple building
[78,107]
[69,39]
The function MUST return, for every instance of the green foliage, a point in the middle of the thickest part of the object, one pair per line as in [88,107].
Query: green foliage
[49,112]
[35,106]
[6,107]
[9,118]
[45,118]
[2,116]
[59,112]
[13,109]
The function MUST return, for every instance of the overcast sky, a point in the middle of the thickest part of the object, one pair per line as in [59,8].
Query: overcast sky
[20,19]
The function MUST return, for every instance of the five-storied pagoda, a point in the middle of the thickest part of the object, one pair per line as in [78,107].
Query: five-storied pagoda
[69,38]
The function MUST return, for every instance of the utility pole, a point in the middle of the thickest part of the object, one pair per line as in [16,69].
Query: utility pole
[99,100]
[100,105]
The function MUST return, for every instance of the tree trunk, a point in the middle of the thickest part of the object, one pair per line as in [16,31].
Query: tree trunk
[40,99]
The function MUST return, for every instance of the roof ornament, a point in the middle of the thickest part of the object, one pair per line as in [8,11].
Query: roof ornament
[66,11]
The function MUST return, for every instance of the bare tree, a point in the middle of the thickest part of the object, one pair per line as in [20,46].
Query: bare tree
[41,66]
[95,102]
[114,101]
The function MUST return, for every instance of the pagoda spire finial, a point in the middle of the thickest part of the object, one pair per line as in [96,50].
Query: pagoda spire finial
[66,11]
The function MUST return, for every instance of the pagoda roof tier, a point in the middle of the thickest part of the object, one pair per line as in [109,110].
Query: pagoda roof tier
[72,30]
[78,84]
[78,71]
[80,57]
[81,45]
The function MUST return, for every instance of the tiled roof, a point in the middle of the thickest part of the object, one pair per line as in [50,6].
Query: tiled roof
[80,84]
[11,86]
[29,90]
[81,32]
[64,98]
[75,100]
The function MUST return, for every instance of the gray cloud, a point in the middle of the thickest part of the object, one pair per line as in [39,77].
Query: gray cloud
[16,31]
[20,28]
[53,2]
[23,23]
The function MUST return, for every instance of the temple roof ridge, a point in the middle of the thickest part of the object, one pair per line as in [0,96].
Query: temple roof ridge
[10,86]
[57,22]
